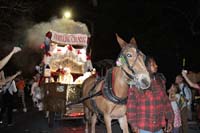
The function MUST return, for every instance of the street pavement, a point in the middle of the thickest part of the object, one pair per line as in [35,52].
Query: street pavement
[34,121]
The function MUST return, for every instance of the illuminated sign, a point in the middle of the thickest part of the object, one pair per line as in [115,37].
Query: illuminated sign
[72,39]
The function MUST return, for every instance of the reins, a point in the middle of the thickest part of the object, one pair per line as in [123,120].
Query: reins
[91,95]
[99,93]
[132,78]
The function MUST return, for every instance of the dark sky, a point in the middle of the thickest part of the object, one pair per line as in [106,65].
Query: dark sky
[168,30]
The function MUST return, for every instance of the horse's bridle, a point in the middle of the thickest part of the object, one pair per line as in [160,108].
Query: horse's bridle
[132,77]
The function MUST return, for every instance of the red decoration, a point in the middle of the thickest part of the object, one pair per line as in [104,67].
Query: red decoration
[79,52]
[60,71]
[54,74]
[69,47]
[42,46]
[48,54]
[88,57]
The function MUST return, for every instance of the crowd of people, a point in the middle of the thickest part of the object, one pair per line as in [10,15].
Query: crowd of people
[153,110]
[158,108]
[8,88]
[13,91]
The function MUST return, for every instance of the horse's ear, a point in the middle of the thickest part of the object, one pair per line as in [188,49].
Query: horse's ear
[133,42]
[121,42]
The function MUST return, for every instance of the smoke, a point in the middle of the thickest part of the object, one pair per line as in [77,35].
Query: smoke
[36,34]
[33,36]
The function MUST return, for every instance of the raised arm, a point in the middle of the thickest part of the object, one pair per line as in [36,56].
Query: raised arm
[13,76]
[191,84]
[3,82]
[5,60]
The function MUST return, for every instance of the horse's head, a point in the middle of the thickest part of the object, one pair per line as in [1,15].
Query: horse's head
[131,61]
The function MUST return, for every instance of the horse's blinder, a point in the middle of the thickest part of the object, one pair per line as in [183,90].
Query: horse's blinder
[124,60]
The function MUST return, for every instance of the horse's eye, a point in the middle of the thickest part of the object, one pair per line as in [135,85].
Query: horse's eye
[129,55]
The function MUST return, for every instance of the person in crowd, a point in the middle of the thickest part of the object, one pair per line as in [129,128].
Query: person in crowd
[149,111]
[20,84]
[174,97]
[36,92]
[3,82]
[186,107]
[193,85]
[2,75]
[2,78]
[8,89]
[67,78]
[5,60]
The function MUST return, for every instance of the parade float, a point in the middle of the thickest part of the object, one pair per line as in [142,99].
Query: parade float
[66,66]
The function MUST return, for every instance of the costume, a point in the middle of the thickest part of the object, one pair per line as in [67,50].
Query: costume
[35,92]
[148,109]
[67,79]
[177,116]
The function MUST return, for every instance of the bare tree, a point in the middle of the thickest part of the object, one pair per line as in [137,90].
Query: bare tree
[11,12]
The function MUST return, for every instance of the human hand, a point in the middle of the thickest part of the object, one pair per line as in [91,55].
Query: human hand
[184,73]
[168,129]
[16,49]
[19,72]
[135,130]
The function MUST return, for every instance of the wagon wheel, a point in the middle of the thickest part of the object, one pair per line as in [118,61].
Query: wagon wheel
[51,119]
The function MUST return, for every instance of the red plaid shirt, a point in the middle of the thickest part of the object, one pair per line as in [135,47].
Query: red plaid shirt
[148,109]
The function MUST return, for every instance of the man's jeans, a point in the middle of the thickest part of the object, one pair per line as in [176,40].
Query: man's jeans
[144,131]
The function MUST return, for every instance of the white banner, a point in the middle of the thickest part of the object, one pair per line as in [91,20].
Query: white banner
[72,39]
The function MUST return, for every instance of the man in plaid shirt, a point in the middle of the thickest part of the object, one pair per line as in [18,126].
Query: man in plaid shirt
[149,109]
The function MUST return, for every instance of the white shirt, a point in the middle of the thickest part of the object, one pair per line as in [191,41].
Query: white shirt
[174,103]
[187,92]
[11,87]
[33,87]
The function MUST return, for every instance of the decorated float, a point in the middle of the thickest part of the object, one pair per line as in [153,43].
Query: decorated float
[66,66]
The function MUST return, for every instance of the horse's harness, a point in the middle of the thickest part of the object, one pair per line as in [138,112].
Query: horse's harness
[133,77]
[107,92]
[107,89]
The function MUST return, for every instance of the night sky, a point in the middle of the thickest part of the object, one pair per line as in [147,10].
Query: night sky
[168,30]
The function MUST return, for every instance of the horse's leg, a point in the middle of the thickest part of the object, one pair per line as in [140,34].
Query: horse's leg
[94,120]
[87,117]
[123,124]
[108,120]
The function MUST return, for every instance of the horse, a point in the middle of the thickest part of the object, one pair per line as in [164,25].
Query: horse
[108,97]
